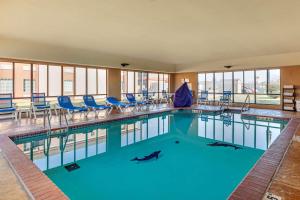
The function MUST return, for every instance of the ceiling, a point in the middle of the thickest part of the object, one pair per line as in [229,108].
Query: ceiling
[181,35]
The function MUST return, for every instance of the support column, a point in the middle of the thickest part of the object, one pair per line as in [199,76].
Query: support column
[114,83]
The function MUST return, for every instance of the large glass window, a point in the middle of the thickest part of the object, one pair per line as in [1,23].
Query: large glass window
[201,82]
[80,81]
[218,82]
[274,81]
[101,81]
[123,82]
[248,87]
[22,86]
[228,81]
[68,76]
[261,82]
[163,83]
[40,77]
[268,86]
[209,83]
[263,86]
[92,80]
[238,82]
[130,79]
[166,82]
[141,83]
[55,80]
[6,77]
[153,84]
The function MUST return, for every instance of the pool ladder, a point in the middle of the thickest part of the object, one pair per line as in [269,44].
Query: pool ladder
[246,104]
[48,118]
[65,117]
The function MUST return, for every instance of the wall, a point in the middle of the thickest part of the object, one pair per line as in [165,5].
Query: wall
[114,83]
[176,81]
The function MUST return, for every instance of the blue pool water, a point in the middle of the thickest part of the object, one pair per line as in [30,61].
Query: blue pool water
[187,168]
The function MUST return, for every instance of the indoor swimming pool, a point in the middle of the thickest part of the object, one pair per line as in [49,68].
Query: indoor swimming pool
[172,155]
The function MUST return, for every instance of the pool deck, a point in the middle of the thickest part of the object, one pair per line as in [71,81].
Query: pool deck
[276,172]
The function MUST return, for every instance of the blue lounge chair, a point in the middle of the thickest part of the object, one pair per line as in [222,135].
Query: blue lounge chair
[132,100]
[203,97]
[64,103]
[39,103]
[165,97]
[7,106]
[90,103]
[118,104]
[147,98]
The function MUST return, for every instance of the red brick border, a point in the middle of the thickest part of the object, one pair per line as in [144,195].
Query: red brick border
[257,181]
[37,184]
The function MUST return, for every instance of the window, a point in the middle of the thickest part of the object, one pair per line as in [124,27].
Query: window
[153,84]
[101,81]
[238,82]
[123,82]
[68,87]
[6,86]
[248,87]
[55,80]
[227,81]
[68,76]
[6,76]
[40,76]
[92,80]
[261,82]
[166,82]
[26,86]
[22,77]
[268,86]
[274,81]
[218,85]
[209,83]
[263,86]
[138,82]
[201,82]
[130,82]
[80,81]
[163,83]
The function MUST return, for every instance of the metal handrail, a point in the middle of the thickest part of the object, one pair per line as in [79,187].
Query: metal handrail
[47,112]
[246,104]
[65,117]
